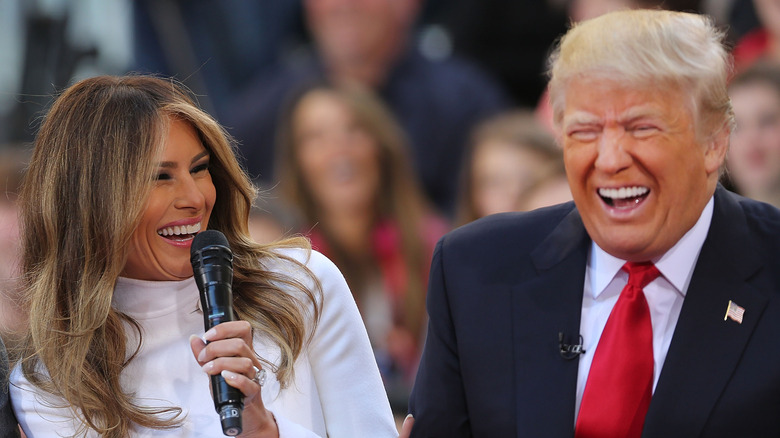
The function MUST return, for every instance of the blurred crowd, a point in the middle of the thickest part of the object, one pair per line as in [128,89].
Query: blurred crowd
[371,126]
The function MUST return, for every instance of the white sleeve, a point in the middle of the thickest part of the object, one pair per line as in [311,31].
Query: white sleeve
[352,395]
[291,429]
[37,412]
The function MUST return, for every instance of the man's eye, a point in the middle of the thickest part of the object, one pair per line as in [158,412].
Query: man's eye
[644,130]
[583,134]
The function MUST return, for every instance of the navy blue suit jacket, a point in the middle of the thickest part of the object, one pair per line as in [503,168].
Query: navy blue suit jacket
[503,288]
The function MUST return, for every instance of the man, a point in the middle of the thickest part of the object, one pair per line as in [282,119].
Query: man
[370,42]
[640,100]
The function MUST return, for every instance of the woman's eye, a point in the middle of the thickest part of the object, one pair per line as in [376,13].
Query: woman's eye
[200,168]
[163,176]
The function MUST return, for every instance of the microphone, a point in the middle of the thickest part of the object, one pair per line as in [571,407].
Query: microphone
[212,266]
[569,351]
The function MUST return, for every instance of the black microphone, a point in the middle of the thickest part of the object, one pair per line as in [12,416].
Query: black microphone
[212,265]
[569,351]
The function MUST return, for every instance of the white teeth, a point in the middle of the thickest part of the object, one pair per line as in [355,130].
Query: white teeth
[178,230]
[623,192]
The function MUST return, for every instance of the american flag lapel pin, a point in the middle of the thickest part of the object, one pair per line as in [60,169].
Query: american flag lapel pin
[734,312]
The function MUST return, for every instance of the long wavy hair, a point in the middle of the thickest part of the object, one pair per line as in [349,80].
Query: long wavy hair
[88,181]
[399,198]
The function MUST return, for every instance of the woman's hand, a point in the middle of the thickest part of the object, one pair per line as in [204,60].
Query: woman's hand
[229,352]
[406,428]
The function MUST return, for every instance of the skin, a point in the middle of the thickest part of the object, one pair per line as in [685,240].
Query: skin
[580,10]
[339,161]
[615,135]
[338,158]
[184,193]
[229,353]
[503,173]
[360,38]
[754,154]
[768,12]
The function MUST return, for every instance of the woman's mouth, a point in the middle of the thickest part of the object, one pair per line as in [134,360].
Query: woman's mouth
[180,232]
[624,197]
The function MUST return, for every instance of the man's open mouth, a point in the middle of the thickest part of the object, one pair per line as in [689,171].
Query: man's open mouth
[624,197]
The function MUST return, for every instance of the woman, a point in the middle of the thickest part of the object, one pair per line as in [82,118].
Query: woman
[753,159]
[513,165]
[124,173]
[345,167]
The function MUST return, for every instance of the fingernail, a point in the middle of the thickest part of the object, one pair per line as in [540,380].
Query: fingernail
[208,366]
[196,337]
[209,335]
[408,417]
[229,375]
[202,355]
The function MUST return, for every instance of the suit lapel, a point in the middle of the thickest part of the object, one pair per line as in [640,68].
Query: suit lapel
[705,349]
[544,306]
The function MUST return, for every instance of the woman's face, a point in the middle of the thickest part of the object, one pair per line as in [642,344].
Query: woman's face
[502,173]
[179,206]
[337,156]
[754,154]
[768,12]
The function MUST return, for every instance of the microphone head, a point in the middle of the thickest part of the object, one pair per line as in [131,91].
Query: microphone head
[208,238]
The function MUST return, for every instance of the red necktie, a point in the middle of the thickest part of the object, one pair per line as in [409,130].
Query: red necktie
[620,381]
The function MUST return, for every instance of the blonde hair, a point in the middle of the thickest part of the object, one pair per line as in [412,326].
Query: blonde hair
[85,190]
[399,197]
[650,48]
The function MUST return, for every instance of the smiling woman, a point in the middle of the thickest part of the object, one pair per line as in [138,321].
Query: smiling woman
[345,167]
[179,205]
[125,171]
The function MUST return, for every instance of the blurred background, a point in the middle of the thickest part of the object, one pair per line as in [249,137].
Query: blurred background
[372,126]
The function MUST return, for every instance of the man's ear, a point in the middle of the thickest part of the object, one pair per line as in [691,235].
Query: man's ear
[717,146]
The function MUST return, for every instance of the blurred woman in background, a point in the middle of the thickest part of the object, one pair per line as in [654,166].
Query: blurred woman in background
[513,165]
[753,159]
[345,167]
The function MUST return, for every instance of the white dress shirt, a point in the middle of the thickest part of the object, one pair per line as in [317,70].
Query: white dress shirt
[604,280]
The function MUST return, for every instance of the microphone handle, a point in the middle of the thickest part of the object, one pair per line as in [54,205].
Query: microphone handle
[228,401]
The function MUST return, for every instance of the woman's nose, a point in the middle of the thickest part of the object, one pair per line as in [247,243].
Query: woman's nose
[189,194]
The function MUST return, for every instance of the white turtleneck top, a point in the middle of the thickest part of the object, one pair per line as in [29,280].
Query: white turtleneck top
[336,392]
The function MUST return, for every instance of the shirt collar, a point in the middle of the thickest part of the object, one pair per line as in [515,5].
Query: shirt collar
[676,265]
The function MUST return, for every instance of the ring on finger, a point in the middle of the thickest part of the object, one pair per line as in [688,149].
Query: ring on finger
[259,376]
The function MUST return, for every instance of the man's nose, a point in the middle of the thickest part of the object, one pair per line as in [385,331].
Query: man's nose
[612,154]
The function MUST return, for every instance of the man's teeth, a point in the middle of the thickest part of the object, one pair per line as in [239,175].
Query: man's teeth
[179,230]
[623,192]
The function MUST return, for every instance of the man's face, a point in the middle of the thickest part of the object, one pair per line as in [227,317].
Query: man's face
[639,174]
[349,30]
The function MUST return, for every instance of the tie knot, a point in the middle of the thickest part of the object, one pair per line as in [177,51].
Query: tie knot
[640,274]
